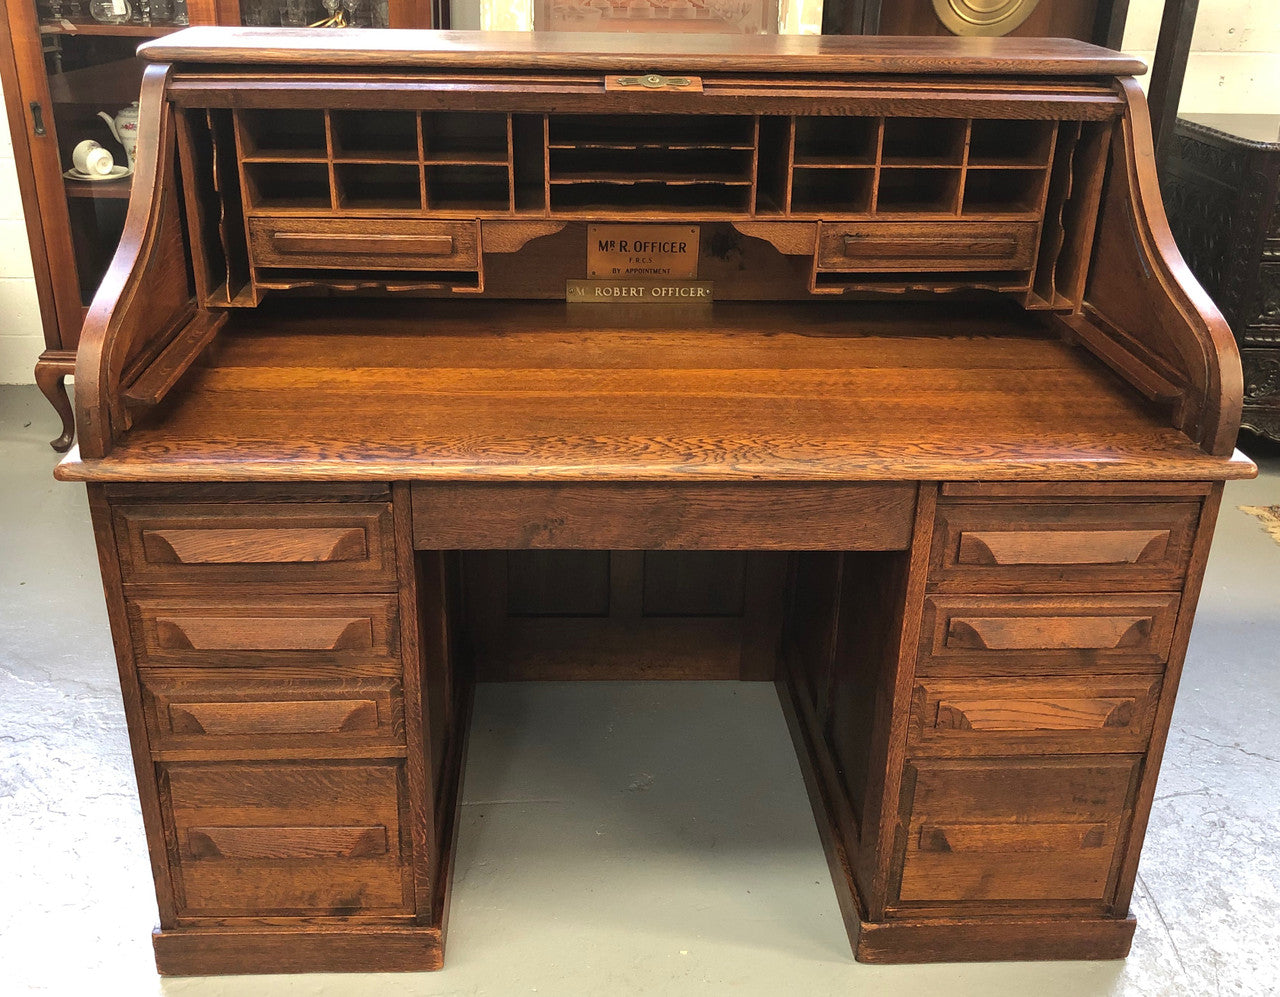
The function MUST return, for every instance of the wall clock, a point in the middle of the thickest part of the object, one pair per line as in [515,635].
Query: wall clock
[983,17]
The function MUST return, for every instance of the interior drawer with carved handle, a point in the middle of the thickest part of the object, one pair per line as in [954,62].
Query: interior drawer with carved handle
[363,243]
[1058,546]
[1034,831]
[1076,714]
[294,629]
[269,541]
[868,247]
[249,711]
[1017,635]
[290,838]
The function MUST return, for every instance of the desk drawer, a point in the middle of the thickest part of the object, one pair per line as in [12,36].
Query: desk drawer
[249,709]
[334,630]
[866,247]
[1006,830]
[1106,713]
[283,542]
[1016,634]
[1060,545]
[363,243]
[262,838]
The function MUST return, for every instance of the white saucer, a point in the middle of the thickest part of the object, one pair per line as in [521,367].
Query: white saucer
[117,173]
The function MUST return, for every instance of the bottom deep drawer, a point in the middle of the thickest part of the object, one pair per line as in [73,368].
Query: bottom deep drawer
[264,838]
[1045,829]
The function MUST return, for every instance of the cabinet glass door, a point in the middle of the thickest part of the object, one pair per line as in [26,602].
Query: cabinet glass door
[94,77]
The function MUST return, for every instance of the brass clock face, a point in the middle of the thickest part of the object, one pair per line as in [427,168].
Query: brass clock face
[983,17]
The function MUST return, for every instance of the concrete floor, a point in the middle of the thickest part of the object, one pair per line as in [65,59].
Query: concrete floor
[594,857]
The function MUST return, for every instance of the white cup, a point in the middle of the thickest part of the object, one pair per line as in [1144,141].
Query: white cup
[91,159]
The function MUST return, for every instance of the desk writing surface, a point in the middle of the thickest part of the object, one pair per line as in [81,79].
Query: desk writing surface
[491,391]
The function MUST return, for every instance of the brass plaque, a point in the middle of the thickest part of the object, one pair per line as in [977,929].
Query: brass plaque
[663,252]
[638,292]
[983,17]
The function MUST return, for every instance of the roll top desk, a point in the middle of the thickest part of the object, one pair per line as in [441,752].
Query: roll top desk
[865,366]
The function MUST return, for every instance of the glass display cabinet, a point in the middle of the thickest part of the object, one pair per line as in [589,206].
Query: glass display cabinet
[70,78]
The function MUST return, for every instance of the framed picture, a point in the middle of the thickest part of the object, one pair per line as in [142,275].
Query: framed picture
[737,17]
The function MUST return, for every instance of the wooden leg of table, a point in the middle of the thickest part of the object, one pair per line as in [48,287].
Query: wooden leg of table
[51,375]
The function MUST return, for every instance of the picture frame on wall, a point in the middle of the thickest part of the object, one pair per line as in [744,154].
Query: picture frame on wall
[737,17]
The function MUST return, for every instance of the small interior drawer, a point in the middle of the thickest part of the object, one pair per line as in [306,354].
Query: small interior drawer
[1105,713]
[868,247]
[1058,545]
[246,709]
[1004,830]
[286,629]
[256,542]
[1007,634]
[363,243]
[263,838]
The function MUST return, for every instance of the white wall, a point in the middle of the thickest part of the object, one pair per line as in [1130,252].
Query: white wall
[1235,66]
[21,338]
[1235,54]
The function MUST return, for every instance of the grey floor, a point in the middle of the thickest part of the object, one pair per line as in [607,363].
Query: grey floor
[616,838]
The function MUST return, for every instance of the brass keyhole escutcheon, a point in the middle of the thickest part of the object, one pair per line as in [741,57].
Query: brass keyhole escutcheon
[654,81]
[983,17]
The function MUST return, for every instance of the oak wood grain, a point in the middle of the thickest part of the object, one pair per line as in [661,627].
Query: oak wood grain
[286,842]
[1009,632]
[650,517]
[673,53]
[986,715]
[802,392]
[305,706]
[328,867]
[324,629]
[290,542]
[1015,830]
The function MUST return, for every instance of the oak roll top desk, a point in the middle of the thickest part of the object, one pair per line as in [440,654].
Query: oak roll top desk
[934,439]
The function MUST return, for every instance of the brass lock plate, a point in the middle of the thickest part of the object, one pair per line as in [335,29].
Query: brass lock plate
[654,82]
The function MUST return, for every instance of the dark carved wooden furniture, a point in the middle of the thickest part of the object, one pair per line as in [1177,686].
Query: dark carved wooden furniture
[1221,185]
[941,458]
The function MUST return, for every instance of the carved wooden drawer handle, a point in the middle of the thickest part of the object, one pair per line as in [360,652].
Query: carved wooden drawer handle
[1011,837]
[264,633]
[312,716]
[355,245]
[928,247]
[255,546]
[286,842]
[1031,633]
[1014,715]
[993,547]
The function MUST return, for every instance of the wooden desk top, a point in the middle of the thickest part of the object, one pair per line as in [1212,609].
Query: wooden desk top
[623,52]
[497,390]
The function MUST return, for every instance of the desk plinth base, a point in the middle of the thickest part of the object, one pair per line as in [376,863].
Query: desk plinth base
[340,949]
[1008,939]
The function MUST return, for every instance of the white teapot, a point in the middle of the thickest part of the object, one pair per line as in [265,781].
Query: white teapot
[124,126]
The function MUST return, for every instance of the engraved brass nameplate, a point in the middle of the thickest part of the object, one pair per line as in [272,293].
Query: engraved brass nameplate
[638,292]
[668,252]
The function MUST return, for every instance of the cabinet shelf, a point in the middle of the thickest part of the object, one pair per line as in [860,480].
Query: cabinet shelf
[107,86]
[100,29]
[106,189]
